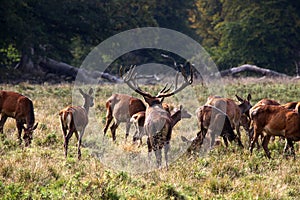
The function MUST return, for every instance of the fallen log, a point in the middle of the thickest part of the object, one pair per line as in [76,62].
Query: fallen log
[60,68]
[251,68]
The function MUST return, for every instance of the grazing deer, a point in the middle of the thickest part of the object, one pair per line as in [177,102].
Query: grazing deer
[138,119]
[233,111]
[75,119]
[20,108]
[275,121]
[158,121]
[215,121]
[120,108]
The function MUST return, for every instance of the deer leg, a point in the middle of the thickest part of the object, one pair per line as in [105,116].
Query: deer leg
[254,139]
[251,135]
[289,144]
[225,140]
[141,133]
[166,149]
[138,135]
[19,125]
[79,143]
[2,122]
[212,139]
[64,129]
[238,140]
[238,130]
[113,128]
[149,145]
[127,130]
[286,147]
[109,118]
[158,157]
[292,149]
[135,135]
[265,145]
[67,139]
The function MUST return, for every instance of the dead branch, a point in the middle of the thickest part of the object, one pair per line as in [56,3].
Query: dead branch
[251,68]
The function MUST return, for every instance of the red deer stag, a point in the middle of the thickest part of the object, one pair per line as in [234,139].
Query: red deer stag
[215,121]
[19,107]
[158,121]
[275,121]
[120,108]
[75,119]
[233,111]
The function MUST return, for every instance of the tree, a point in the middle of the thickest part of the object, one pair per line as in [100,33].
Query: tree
[264,33]
[174,14]
[66,30]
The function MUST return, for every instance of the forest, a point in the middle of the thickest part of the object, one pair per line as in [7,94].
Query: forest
[261,33]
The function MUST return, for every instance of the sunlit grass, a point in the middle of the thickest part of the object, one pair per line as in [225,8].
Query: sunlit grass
[42,172]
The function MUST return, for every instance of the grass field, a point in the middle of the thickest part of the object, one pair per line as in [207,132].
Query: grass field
[42,172]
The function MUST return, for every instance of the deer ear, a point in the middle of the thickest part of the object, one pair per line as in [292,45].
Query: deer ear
[180,107]
[249,97]
[91,91]
[239,98]
[81,92]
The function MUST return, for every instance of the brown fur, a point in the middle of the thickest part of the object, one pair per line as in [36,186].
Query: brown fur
[120,108]
[290,105]
[138,119]
[233,111]
[74,119]
[214,120]
[20,108]
[258,104]
[275,121]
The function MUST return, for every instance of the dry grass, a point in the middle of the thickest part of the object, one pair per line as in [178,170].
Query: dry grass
[42,172]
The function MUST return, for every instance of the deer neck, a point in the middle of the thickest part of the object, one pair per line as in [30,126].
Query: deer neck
[86,107]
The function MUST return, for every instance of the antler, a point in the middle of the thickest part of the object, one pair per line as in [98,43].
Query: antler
[165,92]
[130,80]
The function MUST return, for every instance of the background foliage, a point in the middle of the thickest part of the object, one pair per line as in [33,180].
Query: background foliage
[265,33]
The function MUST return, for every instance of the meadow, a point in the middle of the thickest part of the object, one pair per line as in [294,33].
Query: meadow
[42,172]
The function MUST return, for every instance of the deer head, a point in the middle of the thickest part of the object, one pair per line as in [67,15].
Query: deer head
[245,104]
[28,134]
[88,99]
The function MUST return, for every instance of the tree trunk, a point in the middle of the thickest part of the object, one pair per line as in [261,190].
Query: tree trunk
[297,69]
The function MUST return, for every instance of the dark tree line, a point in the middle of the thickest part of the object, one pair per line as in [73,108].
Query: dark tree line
[263,33]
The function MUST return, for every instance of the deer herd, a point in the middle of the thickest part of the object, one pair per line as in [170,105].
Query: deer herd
[155,119]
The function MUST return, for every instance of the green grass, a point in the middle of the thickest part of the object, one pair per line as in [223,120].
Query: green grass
[42,172]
